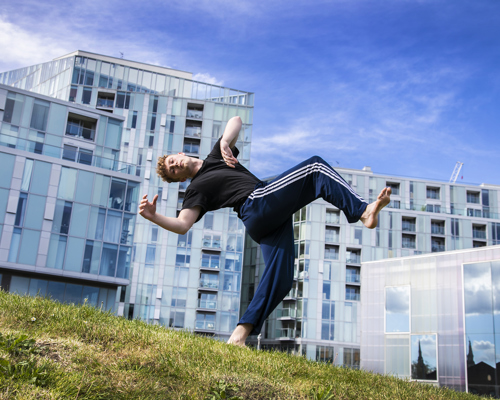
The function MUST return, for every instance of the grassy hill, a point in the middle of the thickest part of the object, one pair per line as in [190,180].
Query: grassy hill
[50,350]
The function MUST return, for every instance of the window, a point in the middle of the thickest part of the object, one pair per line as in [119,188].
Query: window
[332,235]
[205,321]
[13,108]
[332,252]
[207,301]
[437,227]
[81,127]
[352,275]
[397,309]
[194,111]
[473,197]
[176,319]
[87,95]
[105,100]
[39,115]
[408,224]
[332,217]
[191,146]
[437,244]
[21,209]
[433,193]
[353,256]
[209,260]
[408,241]
[394,187]
[352,293]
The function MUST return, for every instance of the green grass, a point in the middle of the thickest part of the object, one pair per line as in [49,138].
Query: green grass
[79,352]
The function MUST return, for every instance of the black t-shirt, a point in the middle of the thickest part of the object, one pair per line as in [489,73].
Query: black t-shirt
[216,185]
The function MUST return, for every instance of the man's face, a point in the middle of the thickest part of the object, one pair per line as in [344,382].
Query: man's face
[178,167]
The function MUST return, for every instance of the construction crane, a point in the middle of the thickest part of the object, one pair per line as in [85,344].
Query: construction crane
[456,171]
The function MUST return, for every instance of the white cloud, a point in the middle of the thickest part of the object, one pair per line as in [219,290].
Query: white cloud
[207,78]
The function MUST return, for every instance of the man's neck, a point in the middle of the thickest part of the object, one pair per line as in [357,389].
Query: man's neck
[197,165]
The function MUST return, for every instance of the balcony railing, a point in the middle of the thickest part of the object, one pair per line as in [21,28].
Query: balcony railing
[332,238]
[193,131]
[332,218]
[73,129]
[285,333]
[353,259]
[438,230]
[207,304]
[354,278]
[437,247]
[210,284]
[205,325]
[105,103]
[292,294]
[352,296]
[287,313]
[212,264]
[408,226]
[211,243]
[194,114]
[478,234]
[408,245]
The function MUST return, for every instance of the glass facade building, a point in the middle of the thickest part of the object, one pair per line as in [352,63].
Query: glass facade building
[323,313]
[434,318]
[119,116]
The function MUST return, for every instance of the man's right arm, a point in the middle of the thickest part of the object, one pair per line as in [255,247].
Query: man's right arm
[187,216]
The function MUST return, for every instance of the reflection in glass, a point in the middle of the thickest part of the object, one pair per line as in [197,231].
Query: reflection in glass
[481,285]
[424,357]
[397,309]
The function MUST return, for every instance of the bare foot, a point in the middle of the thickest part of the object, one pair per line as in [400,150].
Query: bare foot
[370,216]
[240,334]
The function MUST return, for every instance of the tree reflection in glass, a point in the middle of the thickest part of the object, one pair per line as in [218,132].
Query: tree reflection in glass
[424,357]
[397,309]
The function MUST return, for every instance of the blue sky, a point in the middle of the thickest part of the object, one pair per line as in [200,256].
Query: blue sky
[406,87]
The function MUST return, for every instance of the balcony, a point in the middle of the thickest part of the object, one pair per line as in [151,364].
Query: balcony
[195,114]
[353,259]
[331,237]
[207,304]
[73,129]
[205,325]
[435,248]
[478,234]
[353,278]
[193,131]
[105,103]
[291,295]
[352,296]
[286,313]
[437,229]
[285,334]
[209,284]
[210,264]
[211,243]
[408,226]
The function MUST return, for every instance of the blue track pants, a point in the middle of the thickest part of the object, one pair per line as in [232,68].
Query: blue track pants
[267,215]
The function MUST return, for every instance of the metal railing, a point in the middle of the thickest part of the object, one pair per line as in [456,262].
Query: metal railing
[107,103]
[437,229]
[476,234]
[192,131]
[286,313]
[205,325]
[211,243]
[73,129]
[352,296]
[353,259]
[408,226]
[354,278]
[437,247]
[194,114]
[207,304]
[285,333]
[210,284]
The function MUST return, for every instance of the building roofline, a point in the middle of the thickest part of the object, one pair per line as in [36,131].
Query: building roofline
[62,102]
[437,254]
[130,63]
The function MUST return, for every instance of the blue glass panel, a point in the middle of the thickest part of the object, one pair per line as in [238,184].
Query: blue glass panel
[73,293]
[57,248]
[108,259]
[38,287]
[19,285]
[123,267]
[4,198]
[75,254]
[91,294]
[7,163]
[41,177]
[29,247]
[84,187]
[55,291]
[35,211]
[79,218]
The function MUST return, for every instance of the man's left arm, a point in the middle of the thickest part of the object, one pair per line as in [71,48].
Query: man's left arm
[229,139]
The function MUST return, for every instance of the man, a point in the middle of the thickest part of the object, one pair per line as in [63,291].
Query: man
[265,208]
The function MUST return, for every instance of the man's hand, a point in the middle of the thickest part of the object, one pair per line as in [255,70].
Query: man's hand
[147,209]
[227,154]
